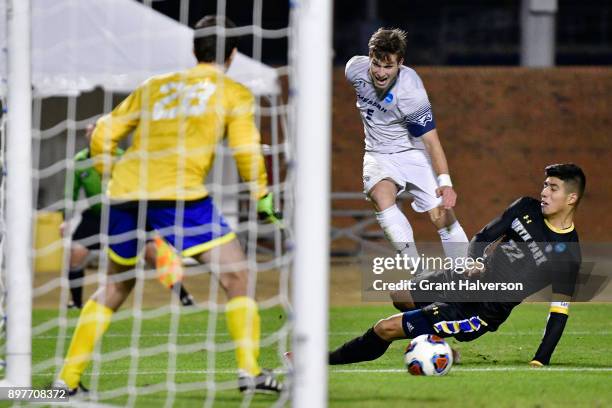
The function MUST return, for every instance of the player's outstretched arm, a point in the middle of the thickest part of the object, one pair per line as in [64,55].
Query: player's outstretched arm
[245,141]
[555,324]
[112,128]
[440,166]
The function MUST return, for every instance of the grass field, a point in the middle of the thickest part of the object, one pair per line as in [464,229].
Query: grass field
[494,370]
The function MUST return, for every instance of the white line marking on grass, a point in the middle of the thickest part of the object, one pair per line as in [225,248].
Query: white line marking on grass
[364,370]
[474,369]
[160,372]
[537,332]
[347,334]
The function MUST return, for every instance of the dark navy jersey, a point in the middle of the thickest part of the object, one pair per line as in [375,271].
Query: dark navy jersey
[525,248]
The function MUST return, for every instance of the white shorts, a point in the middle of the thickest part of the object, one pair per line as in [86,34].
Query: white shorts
[410,170]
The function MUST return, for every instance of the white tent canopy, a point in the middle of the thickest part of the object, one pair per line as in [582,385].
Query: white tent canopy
[258,77]
[115,44]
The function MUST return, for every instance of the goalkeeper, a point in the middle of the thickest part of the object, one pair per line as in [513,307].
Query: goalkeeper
[177,120]
[534,243]
[85,236]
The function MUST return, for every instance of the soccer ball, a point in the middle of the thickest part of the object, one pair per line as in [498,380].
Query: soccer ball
[428,354]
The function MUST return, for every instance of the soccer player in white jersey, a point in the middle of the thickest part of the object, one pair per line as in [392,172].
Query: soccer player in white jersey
[402,147]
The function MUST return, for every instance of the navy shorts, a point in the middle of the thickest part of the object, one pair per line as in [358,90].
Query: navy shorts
[87,232]
[199,228]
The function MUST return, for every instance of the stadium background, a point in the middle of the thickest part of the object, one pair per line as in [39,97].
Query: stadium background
[499,125]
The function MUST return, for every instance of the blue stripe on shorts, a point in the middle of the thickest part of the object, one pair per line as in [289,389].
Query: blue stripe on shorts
[200,224]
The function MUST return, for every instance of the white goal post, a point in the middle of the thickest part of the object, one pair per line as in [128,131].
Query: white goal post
[18,236]
[311,60]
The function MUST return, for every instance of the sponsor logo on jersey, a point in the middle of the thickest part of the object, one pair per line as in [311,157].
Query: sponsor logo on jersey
[560,247]
[409,327]
[389,98]
[372,103]
[424,118]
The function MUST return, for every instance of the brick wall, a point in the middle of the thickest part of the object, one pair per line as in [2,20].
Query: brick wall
[499,128]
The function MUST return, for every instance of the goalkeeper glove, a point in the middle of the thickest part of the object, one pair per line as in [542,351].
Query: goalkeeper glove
[168,263]
[266,210]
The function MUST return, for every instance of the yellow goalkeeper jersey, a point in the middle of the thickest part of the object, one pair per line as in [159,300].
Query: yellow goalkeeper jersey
[177,120]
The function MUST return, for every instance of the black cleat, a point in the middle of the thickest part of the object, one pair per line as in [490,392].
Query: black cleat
[184,296]
[80,392]
[187,300]
[264,383]
[73,305]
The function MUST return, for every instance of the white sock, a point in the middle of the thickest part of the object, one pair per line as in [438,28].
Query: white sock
[454,241]
[398,231]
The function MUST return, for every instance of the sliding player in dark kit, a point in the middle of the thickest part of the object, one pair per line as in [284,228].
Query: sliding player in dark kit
[534,244]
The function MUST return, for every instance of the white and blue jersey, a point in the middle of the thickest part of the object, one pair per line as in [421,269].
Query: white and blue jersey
[394,122]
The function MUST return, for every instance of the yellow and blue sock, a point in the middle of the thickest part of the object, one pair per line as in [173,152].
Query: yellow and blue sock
[93,322]
[243,323]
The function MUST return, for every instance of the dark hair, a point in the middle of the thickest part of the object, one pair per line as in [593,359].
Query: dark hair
[570,174]
[387,41]
[205,44]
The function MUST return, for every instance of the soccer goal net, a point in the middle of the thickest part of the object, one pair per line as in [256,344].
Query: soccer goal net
[171,340]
